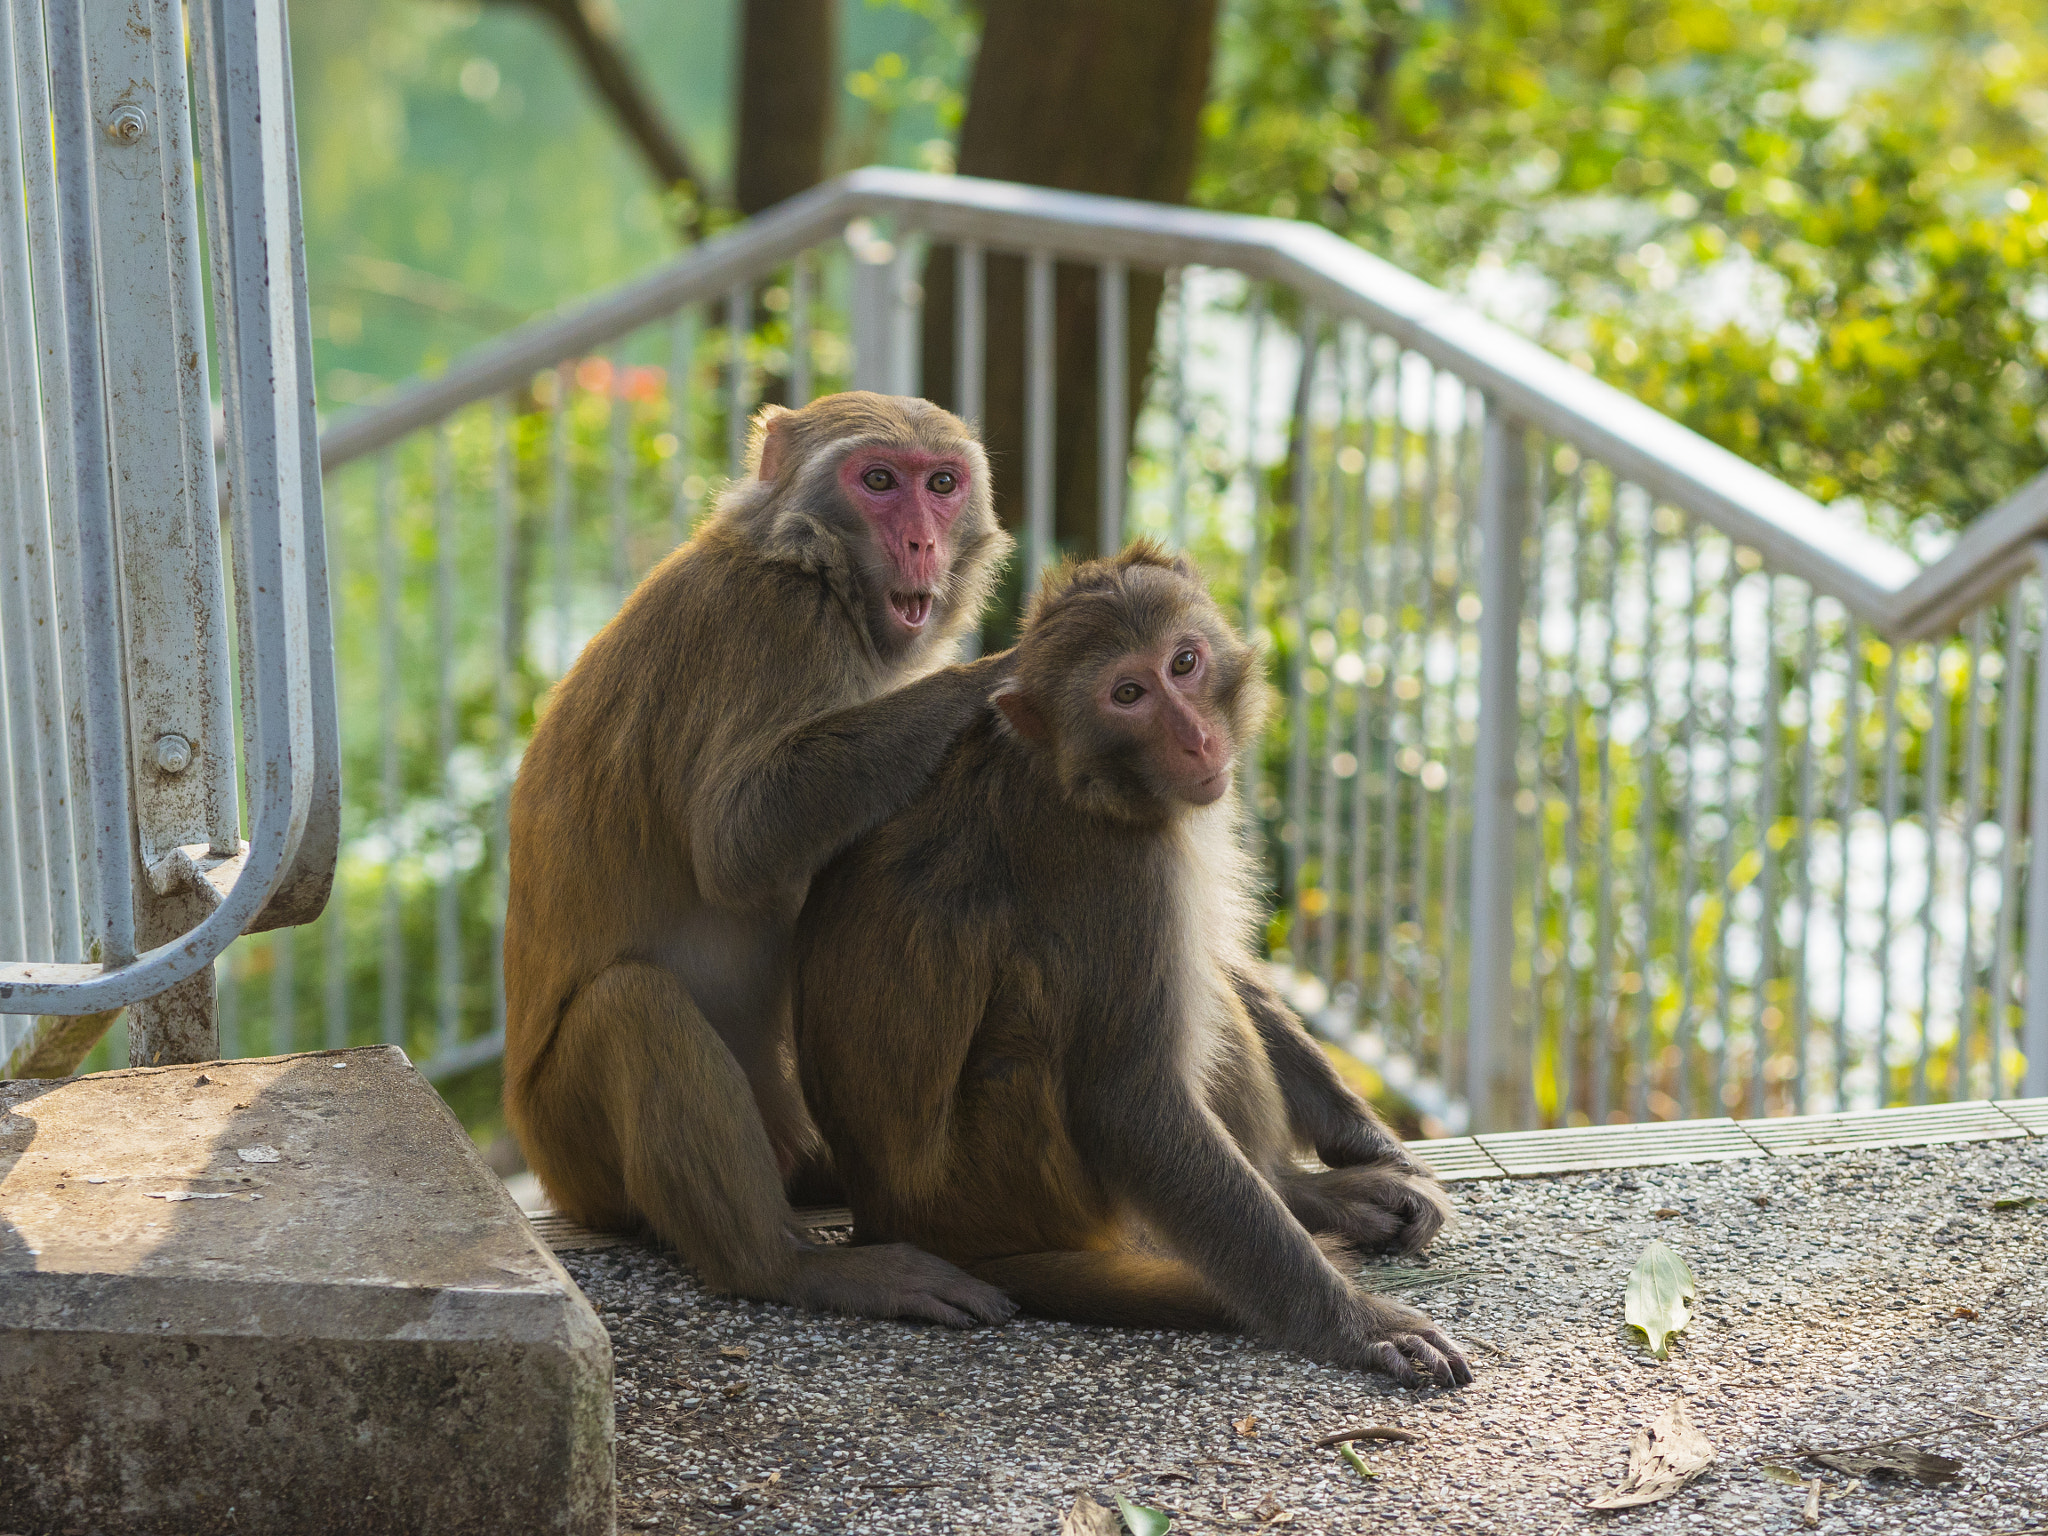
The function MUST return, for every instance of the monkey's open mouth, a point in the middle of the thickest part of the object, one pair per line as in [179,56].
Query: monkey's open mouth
[913,608]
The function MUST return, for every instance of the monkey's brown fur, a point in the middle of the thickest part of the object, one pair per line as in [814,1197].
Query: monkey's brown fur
[725,734]
[1030,1026]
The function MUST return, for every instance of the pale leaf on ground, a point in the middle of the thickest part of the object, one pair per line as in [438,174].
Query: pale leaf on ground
[1088,1518]
[1667,1453]
[1142,1519]
[1659,1296]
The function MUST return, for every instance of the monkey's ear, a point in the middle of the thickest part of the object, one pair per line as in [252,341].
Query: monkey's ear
[768,442]
[1022,714]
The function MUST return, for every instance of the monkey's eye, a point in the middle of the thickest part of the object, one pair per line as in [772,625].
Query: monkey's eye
[1184,661]
[1127,693]
[944,483]
[878,479]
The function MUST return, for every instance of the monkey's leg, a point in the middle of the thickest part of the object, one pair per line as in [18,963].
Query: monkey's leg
[1378,1208]
[694,1162]
[1122,1290]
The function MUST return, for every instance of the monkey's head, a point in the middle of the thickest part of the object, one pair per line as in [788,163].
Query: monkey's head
[1134,686]
[888,497]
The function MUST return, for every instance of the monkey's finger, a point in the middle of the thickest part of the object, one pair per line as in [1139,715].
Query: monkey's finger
[1389,1361]
[1425,1355]
[1461,1371]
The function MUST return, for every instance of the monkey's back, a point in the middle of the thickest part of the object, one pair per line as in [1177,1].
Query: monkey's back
[682,679]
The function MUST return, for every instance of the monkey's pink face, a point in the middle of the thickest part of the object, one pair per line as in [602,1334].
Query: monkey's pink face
[909,500]
[1162,700]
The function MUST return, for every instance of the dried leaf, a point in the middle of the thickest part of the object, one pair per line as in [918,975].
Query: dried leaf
[1142,1519]
[1246,1426]
[258,1154]
[1088,1518]
[1667,1453]
[1967,1314]
[1272,1512]
[1358,1463]
[1659,1296]
[2015,1202]
[1666,1212]
[1368,1432]
[1899,1461]
[735,1352]
[1811,1514]
[1779,1474]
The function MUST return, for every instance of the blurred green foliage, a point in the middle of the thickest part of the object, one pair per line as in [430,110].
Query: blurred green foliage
[1814,230]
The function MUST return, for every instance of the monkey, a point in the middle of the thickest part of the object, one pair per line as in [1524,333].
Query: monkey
[773,688]
[1031,1028]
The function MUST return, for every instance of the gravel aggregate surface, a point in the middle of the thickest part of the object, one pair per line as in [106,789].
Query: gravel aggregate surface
[1843,1299]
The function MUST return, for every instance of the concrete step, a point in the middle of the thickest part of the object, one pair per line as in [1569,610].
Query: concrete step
[283,1295]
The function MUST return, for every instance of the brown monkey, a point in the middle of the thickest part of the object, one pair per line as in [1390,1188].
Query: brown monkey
[726,733]
[1028,1019]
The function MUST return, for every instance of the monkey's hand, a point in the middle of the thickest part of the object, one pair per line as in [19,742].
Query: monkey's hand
[1403,1343]
[1384,1207]
[1352,1136]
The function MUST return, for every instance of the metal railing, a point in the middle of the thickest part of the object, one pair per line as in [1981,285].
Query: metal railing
[123,871]
[1615,778]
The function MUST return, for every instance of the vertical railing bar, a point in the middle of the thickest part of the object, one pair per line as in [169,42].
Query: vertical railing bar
[27,774]
[617,465]
[1606,1015]
[2034,1022]
[1394,590]
[800,285]
[904,311]
[738,304]
[1892,789]
[1177,495]
[284,1013]
[2012,716]
[1646,819]
[1852,795]
[1113,341]
[970,330]
[1328,878]
[228,982]
[390,971]
[33,555]
[682,364]
[1933,794]
[1724,993]
[1809,668]
[505,648]
[51,339]
[1769,958]
[447,935]
[1038,419]
[1683,1033]
[560,492]
[1525,1040]
[1973,813]
[106,729]
[1461,534]
[1294,831]
[1426,608]
[1361,712]
[1255,557]
[1503,515]
[1572,1020]
[334,970]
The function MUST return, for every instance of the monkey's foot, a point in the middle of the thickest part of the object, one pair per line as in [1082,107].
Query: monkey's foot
[1404,1344]
[1374,1209]
[895,1280]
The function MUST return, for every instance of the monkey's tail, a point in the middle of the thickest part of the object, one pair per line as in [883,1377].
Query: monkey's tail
[1121,1289]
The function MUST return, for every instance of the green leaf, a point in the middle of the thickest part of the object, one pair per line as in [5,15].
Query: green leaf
[1660,1295]
[1142,1520]
[2014,1202]
[1358,1462]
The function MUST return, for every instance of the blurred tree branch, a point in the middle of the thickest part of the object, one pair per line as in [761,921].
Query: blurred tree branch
[591,33]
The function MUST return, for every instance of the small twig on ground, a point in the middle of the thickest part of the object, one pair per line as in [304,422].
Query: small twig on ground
[894,1487]
[1878,1445]
[2021,1434]
[1368,1432]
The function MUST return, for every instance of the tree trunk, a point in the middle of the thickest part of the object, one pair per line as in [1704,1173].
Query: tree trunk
[788,54]
[1089,96]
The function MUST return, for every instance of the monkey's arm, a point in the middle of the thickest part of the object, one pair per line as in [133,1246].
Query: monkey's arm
[1171,1160]
[774,815]
[1321,1105]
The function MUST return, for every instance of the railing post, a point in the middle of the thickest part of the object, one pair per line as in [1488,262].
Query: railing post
[2034,1020]
[873,271]
[1503,520]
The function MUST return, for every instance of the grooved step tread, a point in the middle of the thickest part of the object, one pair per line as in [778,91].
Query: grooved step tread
[1589,1148]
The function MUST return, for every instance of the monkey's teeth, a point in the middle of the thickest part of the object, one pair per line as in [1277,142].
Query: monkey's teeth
[913,608]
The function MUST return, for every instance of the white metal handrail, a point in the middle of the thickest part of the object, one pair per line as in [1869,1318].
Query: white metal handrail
[109,420]
[1885,587]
